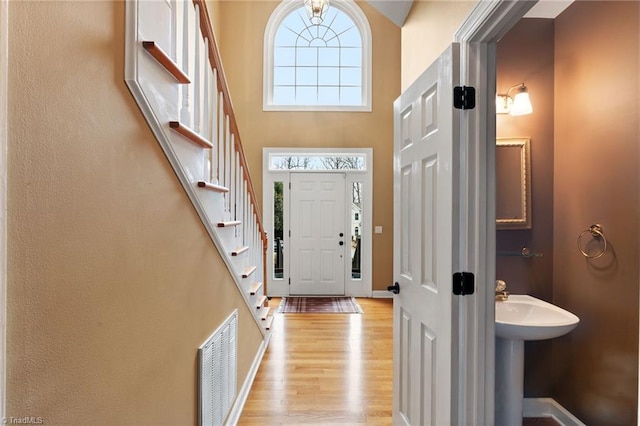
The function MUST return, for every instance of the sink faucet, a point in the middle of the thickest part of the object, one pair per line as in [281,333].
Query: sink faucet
[501,293]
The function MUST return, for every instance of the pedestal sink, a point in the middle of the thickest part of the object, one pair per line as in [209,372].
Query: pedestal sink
[520,318]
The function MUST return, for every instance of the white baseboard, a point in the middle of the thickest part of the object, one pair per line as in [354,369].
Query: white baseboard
[381,294]
[548,407]
[238,405]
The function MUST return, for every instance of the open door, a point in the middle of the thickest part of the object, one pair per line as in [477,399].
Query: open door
[426,176]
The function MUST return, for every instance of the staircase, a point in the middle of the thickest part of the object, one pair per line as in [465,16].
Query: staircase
[173,69]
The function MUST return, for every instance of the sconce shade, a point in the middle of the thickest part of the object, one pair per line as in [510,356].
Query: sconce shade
[521,103]
[316,9]
[518,105]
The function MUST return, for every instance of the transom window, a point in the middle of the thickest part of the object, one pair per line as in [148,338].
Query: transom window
[317,66]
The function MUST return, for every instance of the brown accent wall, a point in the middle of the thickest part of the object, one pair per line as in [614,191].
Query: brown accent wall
[597,181]
[525,55]
[113,282]
[242,53]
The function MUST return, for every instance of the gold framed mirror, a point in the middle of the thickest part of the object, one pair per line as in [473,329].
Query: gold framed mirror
[513,183]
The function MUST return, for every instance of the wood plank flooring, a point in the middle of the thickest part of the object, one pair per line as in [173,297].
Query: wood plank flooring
[326,369]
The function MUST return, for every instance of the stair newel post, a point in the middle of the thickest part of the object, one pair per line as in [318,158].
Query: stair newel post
[185,115]
[221,139]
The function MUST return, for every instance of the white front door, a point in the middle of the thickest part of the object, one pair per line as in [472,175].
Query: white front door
[319,234]
[426,136]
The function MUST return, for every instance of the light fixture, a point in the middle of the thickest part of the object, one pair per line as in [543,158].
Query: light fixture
[518,105]
[316,9]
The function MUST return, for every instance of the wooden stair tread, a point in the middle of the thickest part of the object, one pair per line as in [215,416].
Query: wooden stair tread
[190,134]
[268,322]
[229,223]
[248,271]
[265,313]
[261,301]
[165,60]
[212,187]
[254,288]
[239,251]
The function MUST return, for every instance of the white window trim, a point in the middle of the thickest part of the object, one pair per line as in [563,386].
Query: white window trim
[362,287]
[282,11]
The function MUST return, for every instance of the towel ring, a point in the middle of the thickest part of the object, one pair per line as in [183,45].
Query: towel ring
[596,232]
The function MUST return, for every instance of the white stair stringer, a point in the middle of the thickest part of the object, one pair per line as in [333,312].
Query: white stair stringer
[161,101]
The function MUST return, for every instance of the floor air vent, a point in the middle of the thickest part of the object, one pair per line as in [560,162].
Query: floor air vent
[217,359]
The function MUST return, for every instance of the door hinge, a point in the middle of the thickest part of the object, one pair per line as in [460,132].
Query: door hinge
[289,281]
[463,283]
[289,233]
[289,185]
[464,97]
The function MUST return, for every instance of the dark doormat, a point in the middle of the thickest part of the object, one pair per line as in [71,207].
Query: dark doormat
[319,305]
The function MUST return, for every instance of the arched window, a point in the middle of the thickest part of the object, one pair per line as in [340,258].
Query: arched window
[324,66]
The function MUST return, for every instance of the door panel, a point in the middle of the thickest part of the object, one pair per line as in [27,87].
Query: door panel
[317,218]
[425,155]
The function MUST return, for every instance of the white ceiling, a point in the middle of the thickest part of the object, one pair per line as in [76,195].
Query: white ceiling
[395,10]
[398,10]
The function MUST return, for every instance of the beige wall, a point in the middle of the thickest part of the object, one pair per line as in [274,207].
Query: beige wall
[597,105]
[113,282]
[427,32]
[242,53]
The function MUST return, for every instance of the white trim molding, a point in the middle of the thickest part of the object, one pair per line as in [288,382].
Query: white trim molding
[478,34]
[243,394]
[360,20]
[381,294]
[4,94]
[548,407]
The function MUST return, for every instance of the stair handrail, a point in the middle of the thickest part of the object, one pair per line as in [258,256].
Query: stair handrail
[216,63]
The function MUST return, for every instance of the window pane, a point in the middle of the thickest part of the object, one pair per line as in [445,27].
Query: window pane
[350,56]
[328,95]
[329,57]
[306,96]
[278,235]
[350,38]
[350,96]
[284,76]
[284,56]
[306,76]
[356,231]
[329,76]
[284,95]
[285,37]
[307,56]
[350,76]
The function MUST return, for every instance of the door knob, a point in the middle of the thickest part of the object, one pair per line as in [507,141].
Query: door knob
[395,288]
[341,243]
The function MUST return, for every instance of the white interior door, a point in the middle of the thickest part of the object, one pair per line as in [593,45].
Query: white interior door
[426,136]
[319,234]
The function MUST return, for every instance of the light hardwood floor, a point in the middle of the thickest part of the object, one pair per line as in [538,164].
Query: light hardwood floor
[326,369]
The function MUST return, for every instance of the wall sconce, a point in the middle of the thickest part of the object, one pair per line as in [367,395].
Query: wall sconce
[316,9]
[518,105]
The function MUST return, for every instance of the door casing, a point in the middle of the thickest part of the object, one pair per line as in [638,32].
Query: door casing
[362,287]
[484,26]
